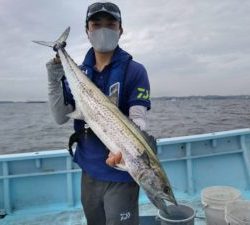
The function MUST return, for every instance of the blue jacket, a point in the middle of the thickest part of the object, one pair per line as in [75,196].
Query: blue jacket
[91,153]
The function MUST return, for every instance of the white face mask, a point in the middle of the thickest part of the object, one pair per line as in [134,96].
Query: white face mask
[104,39]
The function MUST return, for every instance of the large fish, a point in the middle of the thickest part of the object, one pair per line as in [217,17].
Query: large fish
[115,130]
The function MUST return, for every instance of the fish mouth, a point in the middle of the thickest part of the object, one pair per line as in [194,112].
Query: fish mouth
[166,197]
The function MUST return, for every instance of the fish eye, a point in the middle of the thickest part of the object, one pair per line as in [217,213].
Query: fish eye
[166,189]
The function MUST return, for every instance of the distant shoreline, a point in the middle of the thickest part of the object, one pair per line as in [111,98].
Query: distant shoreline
[159,98]
[6,102]
[206,97]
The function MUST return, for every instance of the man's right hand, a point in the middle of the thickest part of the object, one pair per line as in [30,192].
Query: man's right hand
[55,70]
[57,59]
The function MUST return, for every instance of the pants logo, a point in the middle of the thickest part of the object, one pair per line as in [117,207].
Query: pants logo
[125,216]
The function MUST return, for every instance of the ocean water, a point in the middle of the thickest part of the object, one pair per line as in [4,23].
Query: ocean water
[29,127]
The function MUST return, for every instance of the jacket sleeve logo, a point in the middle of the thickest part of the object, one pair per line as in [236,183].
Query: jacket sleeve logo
[143,94]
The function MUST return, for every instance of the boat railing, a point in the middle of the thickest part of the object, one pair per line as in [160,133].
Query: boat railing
[50,180]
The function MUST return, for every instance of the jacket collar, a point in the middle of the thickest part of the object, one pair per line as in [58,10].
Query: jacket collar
[119,56]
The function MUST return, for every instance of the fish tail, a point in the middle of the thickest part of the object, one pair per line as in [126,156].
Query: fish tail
[59,43]
[45,43]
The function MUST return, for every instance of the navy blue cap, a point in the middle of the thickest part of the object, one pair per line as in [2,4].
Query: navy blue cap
[106,7]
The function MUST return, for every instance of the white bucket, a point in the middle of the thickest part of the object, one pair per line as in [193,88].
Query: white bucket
[214,200]
[177,215]
[238,213]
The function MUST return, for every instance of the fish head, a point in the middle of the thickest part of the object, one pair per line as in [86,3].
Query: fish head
[157,188]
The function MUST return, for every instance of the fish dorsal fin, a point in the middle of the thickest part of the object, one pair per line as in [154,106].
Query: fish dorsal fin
[114,93]
[151,141]
[144,156]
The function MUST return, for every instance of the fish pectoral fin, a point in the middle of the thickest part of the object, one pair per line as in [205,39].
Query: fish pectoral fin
[121,166]
[114,93]
[76,115]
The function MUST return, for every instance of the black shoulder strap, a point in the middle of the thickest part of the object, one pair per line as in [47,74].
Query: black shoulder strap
[123,89]
[64,90]
[75,138]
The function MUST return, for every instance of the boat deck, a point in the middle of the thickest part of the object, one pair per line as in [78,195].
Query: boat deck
[148,216]
[75,216]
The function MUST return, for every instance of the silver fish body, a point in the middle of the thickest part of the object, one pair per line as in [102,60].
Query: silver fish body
[115,130]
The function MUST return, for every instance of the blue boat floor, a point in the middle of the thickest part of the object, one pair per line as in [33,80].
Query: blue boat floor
[76,216]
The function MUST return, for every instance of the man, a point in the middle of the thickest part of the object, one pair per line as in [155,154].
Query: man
[109,196]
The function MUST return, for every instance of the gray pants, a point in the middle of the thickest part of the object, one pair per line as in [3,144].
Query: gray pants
[109,203]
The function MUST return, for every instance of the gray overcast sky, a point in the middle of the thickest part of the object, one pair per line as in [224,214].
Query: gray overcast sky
[189,47]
